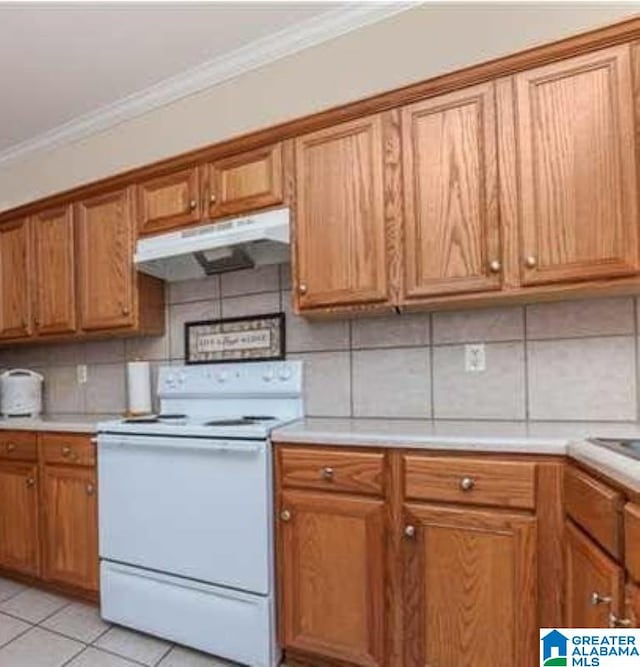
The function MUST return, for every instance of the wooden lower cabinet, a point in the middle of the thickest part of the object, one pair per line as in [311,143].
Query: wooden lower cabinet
[19,517]
[594,582]
[70,526]
[331,573]
[469,587]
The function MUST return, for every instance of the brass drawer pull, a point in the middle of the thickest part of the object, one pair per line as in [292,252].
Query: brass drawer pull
[616,622]
[90,489]
[66,450]
[597,599]
[327,474]
[31,482]
[285,515]
[11,447]
[410,531]
[467,483]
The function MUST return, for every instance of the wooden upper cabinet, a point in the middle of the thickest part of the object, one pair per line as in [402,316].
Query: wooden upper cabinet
[15,279]
[340,217]
[577,169]
[452,234]
[169,201]
[71,526]
[594,582]
[19,517]
[106,271]
[245,182]
[469,588]
[331,571]
[54,273]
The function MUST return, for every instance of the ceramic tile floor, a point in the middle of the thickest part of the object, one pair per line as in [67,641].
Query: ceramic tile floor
[38,629]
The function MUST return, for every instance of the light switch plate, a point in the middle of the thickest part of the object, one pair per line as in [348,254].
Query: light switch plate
[475,360]
[81,373]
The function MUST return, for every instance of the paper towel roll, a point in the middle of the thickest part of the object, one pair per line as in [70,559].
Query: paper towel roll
[139,387]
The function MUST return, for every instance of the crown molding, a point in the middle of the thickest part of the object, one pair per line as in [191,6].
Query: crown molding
[258,53]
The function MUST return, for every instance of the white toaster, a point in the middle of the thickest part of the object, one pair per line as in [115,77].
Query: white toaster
[20,393]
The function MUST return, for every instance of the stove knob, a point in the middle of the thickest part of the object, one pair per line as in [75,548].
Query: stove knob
[269,375]
[284,373]
[222,376]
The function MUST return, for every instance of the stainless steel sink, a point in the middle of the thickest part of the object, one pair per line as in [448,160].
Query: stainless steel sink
[627,446]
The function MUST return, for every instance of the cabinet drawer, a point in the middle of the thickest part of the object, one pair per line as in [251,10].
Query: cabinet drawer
[632,539]
[332,469]
[18,446]
[594,507]
[68,448]
[470,481]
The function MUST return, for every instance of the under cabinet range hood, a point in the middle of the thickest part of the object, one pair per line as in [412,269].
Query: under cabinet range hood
[218,247]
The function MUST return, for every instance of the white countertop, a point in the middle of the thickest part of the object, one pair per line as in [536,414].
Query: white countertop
[559,438]
[65,423]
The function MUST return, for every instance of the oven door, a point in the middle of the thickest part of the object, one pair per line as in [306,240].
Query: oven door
[190,507]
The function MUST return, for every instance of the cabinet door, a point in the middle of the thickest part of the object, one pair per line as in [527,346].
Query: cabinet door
[594,582]
[105,246]
[54,258]
[330,561]
[452,236]
[169,201]
[15,280]
[19,517]
[469,588]
[71,530]
[577,168]
[340,222]
[632,606]
[245,182]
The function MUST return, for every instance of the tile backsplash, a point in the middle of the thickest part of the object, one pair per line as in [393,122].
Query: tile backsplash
[574,360]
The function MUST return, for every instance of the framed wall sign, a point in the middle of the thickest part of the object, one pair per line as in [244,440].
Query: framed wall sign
[258,338]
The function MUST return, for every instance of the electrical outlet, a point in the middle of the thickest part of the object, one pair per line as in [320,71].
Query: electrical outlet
[81,373]
[475,360]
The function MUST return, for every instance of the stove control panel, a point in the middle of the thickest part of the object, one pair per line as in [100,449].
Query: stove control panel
[250,378]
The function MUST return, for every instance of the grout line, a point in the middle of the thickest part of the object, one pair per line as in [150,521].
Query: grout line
[164,655]
[527,397]
[351,383]
[21,634]
[635,351]
[432,374]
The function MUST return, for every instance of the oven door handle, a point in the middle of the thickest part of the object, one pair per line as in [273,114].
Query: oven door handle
[180,444]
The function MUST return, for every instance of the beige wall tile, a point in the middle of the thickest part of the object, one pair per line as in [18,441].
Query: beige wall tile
[496,393]
[105,351]
[327,383]
[483,325]
[199,289]
[66,354]
[253,304]
[392,331]
[305,336]
[105,389]
[394,383]
[250,281]
[592,317]
[285,276]
[188,312]
[62,393]
[150,348]
[582,379]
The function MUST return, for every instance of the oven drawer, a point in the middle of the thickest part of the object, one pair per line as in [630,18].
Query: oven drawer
[470,480]
[18,446]
[68,448]
[332,469]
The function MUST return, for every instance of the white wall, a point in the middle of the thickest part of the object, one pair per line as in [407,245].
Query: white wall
[415,45]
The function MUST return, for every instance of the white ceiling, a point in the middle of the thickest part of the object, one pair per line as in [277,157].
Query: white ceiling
[62,64]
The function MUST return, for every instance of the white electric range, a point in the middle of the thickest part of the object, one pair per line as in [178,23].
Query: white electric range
[186,509]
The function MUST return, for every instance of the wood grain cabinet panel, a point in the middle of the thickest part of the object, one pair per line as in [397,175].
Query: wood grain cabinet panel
[54,272]
[19,539]
[632,605]
[452,235]
[340,219]
[331,571]
[469,588]
[245,182]
[632,539]
[594,582]
[169,201]
[70,526]
[577,169]
[106,271]
[15,279]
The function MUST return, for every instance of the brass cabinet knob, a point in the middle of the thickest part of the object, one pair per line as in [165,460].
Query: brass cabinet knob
[410,531]
[11,447]
[302,288]
[94,441]
[597,599]
[193,205]
[530,262]
[327,473]
[66,450]
[617,622]
[495,266]
[31,482]
[467,483]
[212,199]
[90,489]
[285,515]
[125,310]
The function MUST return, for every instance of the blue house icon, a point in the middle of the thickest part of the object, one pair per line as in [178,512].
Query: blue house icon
[554,640]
